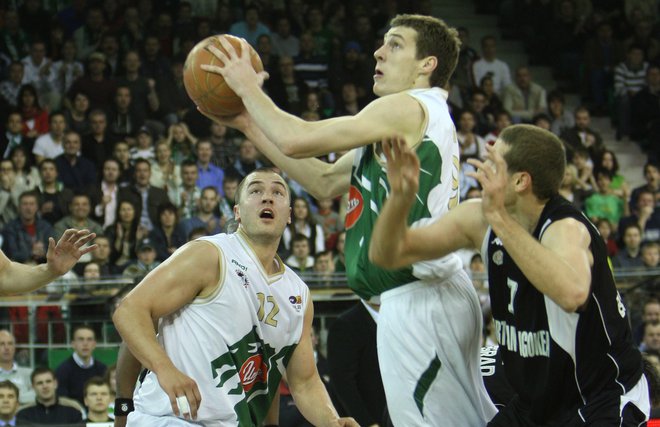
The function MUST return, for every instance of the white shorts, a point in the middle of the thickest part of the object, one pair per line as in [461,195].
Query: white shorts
[140,419]
[429,337]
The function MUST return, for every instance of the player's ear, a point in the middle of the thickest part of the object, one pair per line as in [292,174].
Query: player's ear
[522,181]
[429,64]
[237,213]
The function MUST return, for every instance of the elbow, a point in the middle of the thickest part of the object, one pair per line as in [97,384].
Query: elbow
[376,256]
[575,300]
[291,148]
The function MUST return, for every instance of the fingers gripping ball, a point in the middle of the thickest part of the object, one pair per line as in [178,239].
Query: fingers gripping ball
[209,90]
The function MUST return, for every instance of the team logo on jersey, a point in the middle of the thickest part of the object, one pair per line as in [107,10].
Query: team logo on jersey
[355,206]
[498,257]
[253,370]
[239,265]
[243,278]
[497,241]
[296,301]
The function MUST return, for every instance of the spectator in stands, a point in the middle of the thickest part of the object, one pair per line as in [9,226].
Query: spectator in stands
[650,314]
[166,237]
[182,143]
[77,116]
[493,101]
[250,28]
[13,136]
[645,107]
[483,117]
[144,99]
[9,192]
[144,149]
[75,171]
[462,76]
[97,400]
[609,163]
[247,161]
[208,174]
[339,259]
[73,372]
[103,195]
[11,371]
[352,69]
[643,36]
[581,135]
[286,88]
[225,150]
[121,152]
[98,88]
[264,49]
[124,120]
[524,98]
[227,201]
[175,105]
[146,260]
[51,145]
[35,119]
[98,145]
[302,222]
[124,234]
[55,198]
[650,254]
[651,340]
[101,256]
[645,215]
[488,64]
[10,87]
[26,175]
[542,120]
[283,40]
[14,40]
[502,120]
[586,181]
[324,269]
[329,218]
[629,79]
[607,233]
[88,37]
[186,196]
[49,408]
[604,203]
[154,63]
[38,73]
[629,255]
[110,48]
[300,259]
[348,104]
[80,209]
[164,172]
[26,237]
[652,177]
[144,197]
[310,67]
[601,54]
[9,396]
[132,30]
[562,120]
[67,70]
[471,144]
[205,216]
[569,187]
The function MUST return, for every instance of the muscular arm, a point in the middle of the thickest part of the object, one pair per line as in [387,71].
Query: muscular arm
[563,250]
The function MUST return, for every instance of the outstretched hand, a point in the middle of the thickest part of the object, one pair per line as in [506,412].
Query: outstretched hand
[236,68]
[61,257]
[493,176]
[402,167]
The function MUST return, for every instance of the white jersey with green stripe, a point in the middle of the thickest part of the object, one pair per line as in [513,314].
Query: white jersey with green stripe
[438,152]
[235,343]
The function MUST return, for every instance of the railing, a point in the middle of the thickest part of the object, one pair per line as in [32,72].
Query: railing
[43,320]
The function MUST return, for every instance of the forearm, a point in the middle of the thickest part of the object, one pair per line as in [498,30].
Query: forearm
[313,401]
[18,278]
[128,370]
[536,261]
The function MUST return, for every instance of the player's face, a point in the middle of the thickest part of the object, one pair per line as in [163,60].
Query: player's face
[397,67]
[263,210]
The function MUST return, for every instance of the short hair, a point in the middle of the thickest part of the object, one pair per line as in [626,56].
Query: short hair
[434,38]
[81,194]
[113,160]
[651,164]
[29,193]
[649,245]
[167,206]
[537,152]
[629,226]
[299,237]
[581,109]
[231,177]
[97,112]
[239,189]
[188,163]
[39,370]
[556,95]
[478,91]
[96,380]
[210,188]
[46,160]
[81,327]
[488,37]
[141,160]
[55,114]
[6,384]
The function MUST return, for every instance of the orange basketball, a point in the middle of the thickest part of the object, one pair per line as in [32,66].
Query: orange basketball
[209,90]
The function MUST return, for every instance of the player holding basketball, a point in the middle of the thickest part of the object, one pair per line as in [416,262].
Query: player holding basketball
[564,336]
[429,330]
[232,319]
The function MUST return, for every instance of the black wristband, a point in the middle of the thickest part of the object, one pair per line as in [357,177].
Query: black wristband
[123,407]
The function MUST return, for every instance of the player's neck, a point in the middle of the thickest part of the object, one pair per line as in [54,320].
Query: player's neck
[528,212]
[265,249]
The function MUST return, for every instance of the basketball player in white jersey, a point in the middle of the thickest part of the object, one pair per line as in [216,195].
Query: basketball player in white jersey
[16,278]
[232,320]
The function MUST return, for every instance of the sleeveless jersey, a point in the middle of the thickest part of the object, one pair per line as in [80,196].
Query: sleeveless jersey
[561,364]
[438,152]
[235,343]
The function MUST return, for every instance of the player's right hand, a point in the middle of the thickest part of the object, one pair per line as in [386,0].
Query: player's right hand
[176,384]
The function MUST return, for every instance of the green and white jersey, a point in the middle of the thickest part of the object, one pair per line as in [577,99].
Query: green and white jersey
[235,343]
[438,152]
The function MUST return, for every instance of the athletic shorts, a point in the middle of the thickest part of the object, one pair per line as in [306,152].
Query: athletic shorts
[429,338]
[140,419]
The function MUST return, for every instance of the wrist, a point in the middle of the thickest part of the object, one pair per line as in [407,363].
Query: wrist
[123,407]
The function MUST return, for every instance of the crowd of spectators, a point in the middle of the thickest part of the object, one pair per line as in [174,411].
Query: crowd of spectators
[99,133]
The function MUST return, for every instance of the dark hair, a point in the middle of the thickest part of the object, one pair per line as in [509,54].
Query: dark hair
[299,237]
[434,38]
[188,163]
[6,384]
[55,114]
[28,162]
[556,95]
[27,88]
[140,160]
[615,162]
[44,161]
[29,193]
[537,152]
[39,370]
[97,381]
[80,327]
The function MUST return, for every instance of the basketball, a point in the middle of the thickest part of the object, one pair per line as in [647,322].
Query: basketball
[209,90]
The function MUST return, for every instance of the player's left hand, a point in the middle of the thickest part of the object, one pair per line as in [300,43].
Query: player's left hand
[346,422]
[237,68]
[494,177]
[61,257]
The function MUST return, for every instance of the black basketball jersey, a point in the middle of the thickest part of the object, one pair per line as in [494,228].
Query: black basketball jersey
[561,364]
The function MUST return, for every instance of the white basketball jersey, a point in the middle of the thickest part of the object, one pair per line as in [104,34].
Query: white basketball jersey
[235,343]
